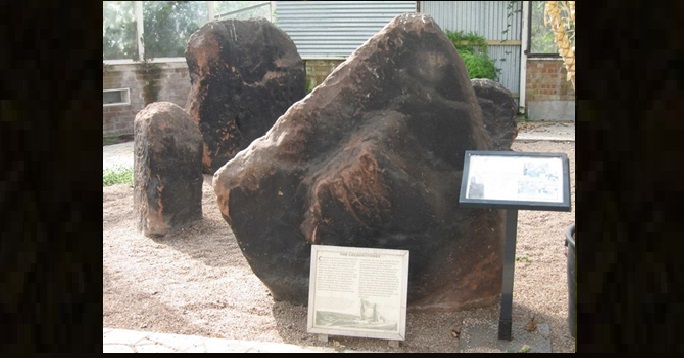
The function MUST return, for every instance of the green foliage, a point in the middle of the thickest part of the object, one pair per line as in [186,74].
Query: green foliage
[473,49]
[541,36]
[116,139]
[109,140]
[118,175]
[479,66]
[258,11]
[471,41]
[512,8]
[119,30]
[169,24]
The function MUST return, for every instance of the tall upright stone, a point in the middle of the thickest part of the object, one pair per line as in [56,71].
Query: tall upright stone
[244,75]
[167,169]
[373,157]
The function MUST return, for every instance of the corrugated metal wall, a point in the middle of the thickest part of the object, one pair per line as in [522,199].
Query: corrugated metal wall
[489,19]
[334,29]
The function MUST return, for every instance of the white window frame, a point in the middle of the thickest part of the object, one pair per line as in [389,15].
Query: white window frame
[126,96]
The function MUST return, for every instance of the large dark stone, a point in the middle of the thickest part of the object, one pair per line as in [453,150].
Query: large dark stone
[244,75]
[373,157]
[167,169]
[498,112]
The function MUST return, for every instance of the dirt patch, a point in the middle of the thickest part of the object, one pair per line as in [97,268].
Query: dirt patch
[196,281]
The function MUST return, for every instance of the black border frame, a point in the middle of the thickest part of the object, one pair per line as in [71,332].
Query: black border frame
[528,50]
[509,204]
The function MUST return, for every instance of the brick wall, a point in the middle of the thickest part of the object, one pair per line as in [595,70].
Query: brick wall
[318,70]
[546,81]
[549,95]
[546,84]
[173,84]
[546,78]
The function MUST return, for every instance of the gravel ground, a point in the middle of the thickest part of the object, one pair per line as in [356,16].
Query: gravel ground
[196,281]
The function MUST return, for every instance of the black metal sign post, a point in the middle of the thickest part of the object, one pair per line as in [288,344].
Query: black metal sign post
[506,312]
[513,181]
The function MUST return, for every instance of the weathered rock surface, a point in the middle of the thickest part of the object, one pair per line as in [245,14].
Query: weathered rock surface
[167,169]
[498,112]
[244,75]
[373,157]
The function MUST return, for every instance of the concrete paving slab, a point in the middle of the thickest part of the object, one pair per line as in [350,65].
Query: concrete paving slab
[117,348]
[123,336]
[154,348]
[130,341]
[200,348]
[178,342]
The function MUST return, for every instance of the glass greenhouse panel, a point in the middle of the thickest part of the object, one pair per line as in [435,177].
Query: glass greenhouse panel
[169,24]
[119,31]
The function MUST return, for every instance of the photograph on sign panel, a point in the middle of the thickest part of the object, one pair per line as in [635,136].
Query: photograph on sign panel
[538,191]
[541,181]
[541,171]
[493,178]
[475,189]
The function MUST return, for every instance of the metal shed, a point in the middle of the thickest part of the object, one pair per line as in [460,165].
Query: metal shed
[334,29]
[491,20]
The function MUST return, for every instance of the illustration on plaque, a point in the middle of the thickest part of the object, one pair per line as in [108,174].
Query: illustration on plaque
[370,316]
[358,291]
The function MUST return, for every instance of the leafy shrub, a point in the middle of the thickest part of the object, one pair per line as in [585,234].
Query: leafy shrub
[117,175]
[473,49]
